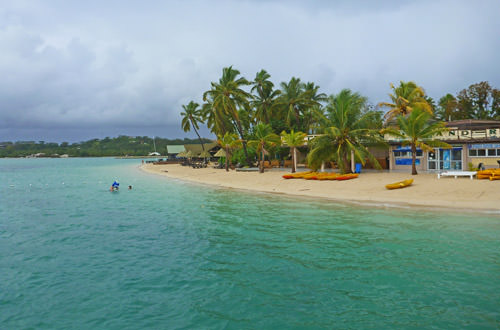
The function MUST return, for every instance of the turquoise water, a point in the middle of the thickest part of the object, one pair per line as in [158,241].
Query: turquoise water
[171,255]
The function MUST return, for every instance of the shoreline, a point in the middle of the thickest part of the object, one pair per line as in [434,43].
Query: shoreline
[427,192]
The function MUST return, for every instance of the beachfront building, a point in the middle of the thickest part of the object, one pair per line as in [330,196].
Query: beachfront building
[173,150]
[474,142]
[196,149]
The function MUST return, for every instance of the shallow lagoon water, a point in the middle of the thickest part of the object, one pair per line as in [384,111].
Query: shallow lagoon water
[169,254]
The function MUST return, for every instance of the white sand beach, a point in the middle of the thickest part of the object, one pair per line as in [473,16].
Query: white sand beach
[426,191]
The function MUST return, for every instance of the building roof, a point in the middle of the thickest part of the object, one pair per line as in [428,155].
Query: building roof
[196,148]
[175,149]
[473,124]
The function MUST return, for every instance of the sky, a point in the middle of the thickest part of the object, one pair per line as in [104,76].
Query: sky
[76,70]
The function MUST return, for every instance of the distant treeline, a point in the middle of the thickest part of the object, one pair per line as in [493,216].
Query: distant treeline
[118,146]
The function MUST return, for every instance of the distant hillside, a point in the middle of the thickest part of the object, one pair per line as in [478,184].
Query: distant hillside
[119,146]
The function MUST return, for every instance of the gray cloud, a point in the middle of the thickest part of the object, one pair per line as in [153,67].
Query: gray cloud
[75,70]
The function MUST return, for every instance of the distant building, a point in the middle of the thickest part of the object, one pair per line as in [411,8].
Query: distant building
[196,149]
[173,150]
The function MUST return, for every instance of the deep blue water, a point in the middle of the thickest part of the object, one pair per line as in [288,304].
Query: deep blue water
[172,255]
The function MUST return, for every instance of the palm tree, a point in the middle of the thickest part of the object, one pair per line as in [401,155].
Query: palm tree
[191,116]
[265,97]
[228,98]
[418,130]
[311,91]
[293,101]
[216,122]
[293,140]
[448,107]
[228,141]
[346,132]
[404,98]
[262,82]
[264,139]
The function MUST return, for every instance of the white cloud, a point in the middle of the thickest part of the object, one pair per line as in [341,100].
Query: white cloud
[93,65]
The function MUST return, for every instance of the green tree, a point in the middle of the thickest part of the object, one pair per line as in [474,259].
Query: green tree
[295,100]
[264,98]
[404,98]
[227,97]
[293,140]
[418,130]
[264,138]
[479,101]
[346,131]
[191,116]
[448,108]
[228,142]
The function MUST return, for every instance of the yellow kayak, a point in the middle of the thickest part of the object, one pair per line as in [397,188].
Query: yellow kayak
[401,184]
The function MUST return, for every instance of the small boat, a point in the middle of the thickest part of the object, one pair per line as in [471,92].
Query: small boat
[298,175]
[347,176]
[400,184]
[329,176]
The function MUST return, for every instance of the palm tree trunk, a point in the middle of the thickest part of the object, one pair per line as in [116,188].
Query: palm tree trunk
[261,163]
[243,142]
[413,159]
[199,137]
[227,159]
[297,118]
[346,164]
[294,159]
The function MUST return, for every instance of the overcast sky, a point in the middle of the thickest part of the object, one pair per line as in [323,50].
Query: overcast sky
[75,70]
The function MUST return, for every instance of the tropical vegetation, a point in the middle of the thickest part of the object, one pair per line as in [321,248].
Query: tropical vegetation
[228,142]
[345,126]
[418,131]
[293,140]
[118,146]
[348,129]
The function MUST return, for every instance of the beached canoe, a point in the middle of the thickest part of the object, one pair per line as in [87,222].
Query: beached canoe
[298,175]
[329,176]
[312,176]
[347,176]
[400,184]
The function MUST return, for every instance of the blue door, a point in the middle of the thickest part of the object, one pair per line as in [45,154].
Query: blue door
[446,159]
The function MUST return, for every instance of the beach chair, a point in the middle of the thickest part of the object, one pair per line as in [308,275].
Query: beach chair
[275,163]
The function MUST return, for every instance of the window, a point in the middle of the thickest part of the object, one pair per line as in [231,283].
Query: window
[484,152]
[407,154]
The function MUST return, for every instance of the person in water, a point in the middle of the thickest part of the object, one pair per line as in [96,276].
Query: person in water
[115,186]
[129,187]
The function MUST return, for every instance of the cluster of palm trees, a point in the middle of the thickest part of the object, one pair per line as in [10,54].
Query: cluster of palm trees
[258,119]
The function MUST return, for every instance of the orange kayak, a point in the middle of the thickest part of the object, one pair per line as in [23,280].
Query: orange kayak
[347,176]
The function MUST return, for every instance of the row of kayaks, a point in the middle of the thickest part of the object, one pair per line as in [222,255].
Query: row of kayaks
[491,174]
[320,176]
[335,176]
